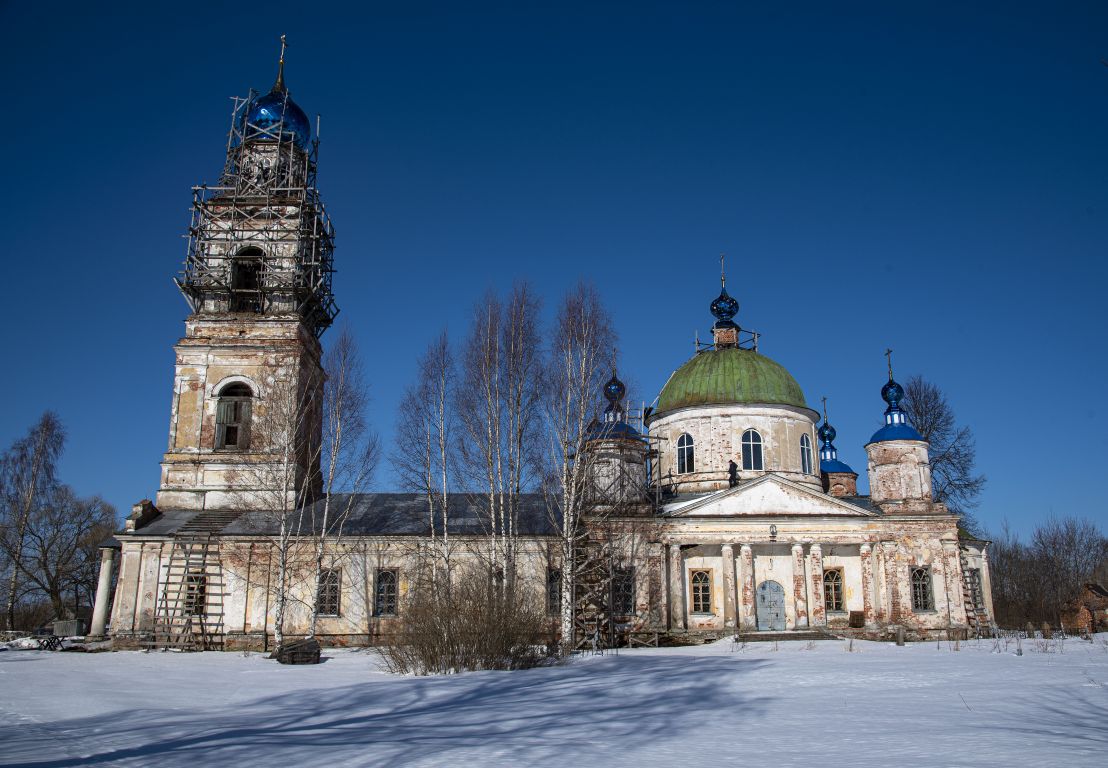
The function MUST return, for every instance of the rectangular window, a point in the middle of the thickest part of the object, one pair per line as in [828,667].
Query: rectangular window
[384,600]
[701,591]
[328,594]
[833,589]
[196,594]
[922,597]
[623,591]
[553,591]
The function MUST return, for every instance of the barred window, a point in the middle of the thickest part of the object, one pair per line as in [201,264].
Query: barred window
[805,454]
[752,450]
[553,591]
[833,589]
[685,463]
[328,592]
[232,418]
[384,603]
[623,591]
[922,597]
[701,592]
[196,594]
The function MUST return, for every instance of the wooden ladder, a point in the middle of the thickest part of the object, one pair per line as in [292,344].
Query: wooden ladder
[190,608]
[975,612]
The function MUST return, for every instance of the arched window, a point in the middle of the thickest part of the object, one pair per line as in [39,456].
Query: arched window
[232,418]
[701,592]
[384,603]
[752,450]
[685,454]
[806,454]
[833,589]
[246,281]
[923,599]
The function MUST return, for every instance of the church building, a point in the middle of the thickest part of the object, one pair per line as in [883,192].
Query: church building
[724,509]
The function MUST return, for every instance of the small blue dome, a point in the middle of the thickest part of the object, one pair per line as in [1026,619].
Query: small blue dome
[612,430]
[614,390]
[276,113]
[834,465]
[901,431]
[827,433]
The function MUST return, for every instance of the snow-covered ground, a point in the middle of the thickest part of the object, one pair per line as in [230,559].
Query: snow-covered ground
[919,705]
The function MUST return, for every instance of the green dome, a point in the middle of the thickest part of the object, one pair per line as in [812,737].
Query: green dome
[729,375]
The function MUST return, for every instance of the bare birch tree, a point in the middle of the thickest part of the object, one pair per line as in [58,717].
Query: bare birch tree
[423,455]
[27,476]
[349,450]
[282,477]
[582,347]
[497,407]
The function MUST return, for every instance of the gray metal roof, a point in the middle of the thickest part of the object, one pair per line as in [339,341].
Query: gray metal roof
[364,514]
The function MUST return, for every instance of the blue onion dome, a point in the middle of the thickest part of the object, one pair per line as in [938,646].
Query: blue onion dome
[724,308]
[614,389]
[896,421]
[892,393]
[276,115]
[826,433]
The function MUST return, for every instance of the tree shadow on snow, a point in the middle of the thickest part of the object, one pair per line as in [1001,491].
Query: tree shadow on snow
[392,721]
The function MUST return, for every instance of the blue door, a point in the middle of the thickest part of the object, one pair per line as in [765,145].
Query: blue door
[771,606]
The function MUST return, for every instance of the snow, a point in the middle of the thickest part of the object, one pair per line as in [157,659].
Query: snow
[798,704]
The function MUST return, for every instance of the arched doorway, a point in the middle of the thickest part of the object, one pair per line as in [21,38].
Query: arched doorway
[771,606]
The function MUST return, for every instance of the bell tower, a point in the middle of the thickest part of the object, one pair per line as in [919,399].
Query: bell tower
[245,421]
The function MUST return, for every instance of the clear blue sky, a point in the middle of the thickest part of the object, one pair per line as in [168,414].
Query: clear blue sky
[934,180]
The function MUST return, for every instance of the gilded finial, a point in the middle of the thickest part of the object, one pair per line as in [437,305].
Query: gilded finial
[280,84]
[889,357]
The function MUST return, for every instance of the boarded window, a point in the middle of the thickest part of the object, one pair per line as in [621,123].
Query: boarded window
[384,603]
[623,591]
[685,463]
[232,418]
[553,591]
[922,597]
[833,590]
[701,592]
[752,450]
[328,592]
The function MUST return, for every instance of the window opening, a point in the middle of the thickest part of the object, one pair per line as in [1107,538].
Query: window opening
[232,418]
[752,450]
[701,592]
[623,591]
[685,462]
[833,590]
[384,603]
[246,281]
[922,596]
[553,591]
[805,455]
[328,594]
[196,593]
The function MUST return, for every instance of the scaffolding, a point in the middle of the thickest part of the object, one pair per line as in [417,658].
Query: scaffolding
[261,240]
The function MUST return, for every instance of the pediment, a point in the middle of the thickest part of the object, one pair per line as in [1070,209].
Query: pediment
[767,495]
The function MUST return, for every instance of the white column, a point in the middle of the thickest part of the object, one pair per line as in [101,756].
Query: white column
[728,555]
[103,593]
[800,587]
[676,588]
